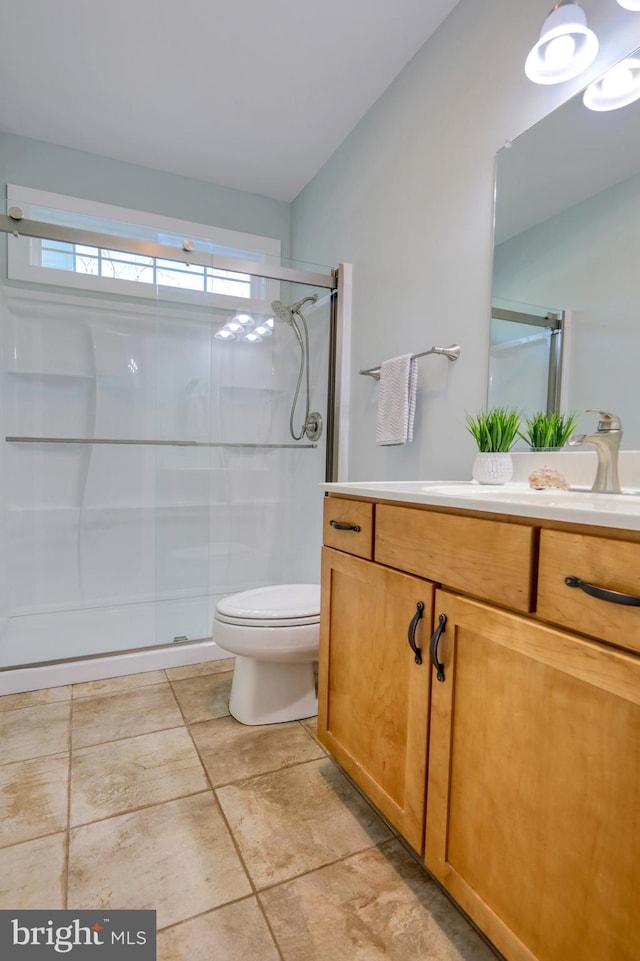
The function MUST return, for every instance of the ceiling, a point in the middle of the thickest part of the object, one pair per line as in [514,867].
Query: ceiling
[249,94]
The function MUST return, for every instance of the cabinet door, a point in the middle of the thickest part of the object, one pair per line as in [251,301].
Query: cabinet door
[373,698]
[533,813]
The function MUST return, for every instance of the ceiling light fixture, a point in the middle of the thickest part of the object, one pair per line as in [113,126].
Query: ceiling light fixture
[630,4]
[618,87]
[565,48]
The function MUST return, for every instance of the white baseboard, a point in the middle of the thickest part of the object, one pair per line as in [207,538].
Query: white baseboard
[20,679]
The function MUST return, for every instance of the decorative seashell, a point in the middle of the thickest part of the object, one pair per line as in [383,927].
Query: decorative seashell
[546,477]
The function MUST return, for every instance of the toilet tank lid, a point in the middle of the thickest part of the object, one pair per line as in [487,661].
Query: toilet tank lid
[275,601]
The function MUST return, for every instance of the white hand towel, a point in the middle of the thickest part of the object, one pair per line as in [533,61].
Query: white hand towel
[397,400]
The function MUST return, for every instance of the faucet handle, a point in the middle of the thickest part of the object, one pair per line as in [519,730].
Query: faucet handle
[607,421]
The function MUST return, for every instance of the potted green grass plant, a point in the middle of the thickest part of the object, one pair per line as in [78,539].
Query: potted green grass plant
[495,431]
[543,431]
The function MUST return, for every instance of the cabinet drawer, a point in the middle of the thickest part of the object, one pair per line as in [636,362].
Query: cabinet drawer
[489,559]
[348,526]
[605,563]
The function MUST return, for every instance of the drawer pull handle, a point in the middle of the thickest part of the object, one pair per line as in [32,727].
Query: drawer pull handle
[615,597]
[411,633]
[344,527]
[433,647]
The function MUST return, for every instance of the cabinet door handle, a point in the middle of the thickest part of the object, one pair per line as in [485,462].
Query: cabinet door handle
[411,633]
[344,527]
[615,597]
[433,647]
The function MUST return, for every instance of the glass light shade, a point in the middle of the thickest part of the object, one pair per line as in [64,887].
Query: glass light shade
[263,330]
[565,48]
[630,4]
[225,334]
[619,87]
[245,319]
[269,323]
[233,325]
[252,337]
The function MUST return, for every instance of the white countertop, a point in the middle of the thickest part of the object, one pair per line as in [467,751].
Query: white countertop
[575,506]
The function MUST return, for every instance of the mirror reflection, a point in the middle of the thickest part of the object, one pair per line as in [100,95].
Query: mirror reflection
[567,220]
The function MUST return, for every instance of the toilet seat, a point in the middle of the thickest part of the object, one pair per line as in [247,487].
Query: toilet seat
[282,605]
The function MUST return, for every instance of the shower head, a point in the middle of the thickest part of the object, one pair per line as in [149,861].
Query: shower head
[285,314]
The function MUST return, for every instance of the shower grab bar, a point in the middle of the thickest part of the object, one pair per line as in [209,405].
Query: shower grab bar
[452,352]
[149,443]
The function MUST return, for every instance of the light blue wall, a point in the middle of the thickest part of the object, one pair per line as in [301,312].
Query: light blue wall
[408,199]
[32,163]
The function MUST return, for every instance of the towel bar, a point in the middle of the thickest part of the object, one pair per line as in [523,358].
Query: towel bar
[452,352]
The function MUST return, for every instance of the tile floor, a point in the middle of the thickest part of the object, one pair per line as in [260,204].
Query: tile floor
[249,843]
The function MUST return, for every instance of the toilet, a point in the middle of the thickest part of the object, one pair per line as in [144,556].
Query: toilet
[274,633]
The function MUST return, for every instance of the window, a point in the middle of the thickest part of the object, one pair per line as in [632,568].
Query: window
[101,262]
[100,268]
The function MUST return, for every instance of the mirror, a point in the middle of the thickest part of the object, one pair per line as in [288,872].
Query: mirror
[567,244]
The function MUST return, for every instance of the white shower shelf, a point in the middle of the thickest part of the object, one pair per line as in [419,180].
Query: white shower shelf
[249,388]
[62,375]
[179,505]
[122,600]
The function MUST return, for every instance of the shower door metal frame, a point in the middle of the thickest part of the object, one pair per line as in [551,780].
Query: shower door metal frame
[553,322]
[334,282]
[21,227]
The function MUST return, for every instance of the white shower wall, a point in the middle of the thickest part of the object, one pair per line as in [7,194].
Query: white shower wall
[113,547]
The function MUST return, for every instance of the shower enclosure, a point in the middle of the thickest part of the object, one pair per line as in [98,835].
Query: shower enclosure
[148,467]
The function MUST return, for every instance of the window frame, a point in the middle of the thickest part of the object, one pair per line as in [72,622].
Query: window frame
[24,254]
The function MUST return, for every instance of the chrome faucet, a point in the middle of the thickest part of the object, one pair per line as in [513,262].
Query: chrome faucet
[606,441]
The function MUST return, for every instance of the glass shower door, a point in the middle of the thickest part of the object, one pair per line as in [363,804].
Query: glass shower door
[148,466]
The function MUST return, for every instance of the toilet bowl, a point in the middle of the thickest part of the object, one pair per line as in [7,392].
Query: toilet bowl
[274,633]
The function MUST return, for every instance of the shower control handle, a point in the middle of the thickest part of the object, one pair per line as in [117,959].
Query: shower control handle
[344,527]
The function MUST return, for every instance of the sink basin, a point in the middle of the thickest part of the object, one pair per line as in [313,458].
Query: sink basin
[578,496]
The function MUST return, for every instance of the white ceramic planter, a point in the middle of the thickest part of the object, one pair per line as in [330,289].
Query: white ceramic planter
[492,468]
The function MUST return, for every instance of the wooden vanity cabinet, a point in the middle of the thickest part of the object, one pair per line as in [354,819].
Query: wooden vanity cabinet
[534,779]
[532,787]
[599,562]
[373,698]
[489,558]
